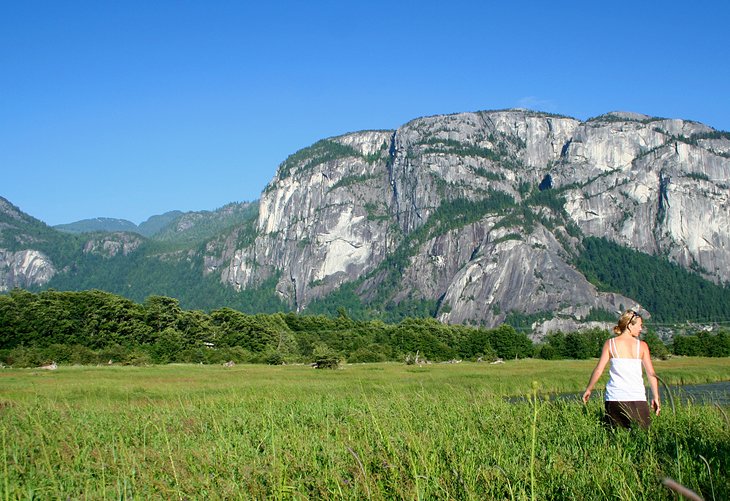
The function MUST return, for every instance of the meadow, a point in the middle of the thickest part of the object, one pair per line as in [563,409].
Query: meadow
[365,431]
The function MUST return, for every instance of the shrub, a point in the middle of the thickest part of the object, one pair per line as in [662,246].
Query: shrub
[327,362]
[115,353]
[194,355]
[325,357]
[25,357]
[274,358]
[138,356]
[548,352]
[365,355]
[61,353]
[168,346]
[84,356]
[236,353]
[486,354]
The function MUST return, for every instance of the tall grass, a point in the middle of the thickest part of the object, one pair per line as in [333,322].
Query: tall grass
[382,431]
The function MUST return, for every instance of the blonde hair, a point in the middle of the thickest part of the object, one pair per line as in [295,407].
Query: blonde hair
[630,317]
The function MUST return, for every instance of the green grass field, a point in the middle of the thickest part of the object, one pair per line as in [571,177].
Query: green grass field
[379,431]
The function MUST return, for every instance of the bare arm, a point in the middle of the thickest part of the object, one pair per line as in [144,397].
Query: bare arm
[651,376]
[600,366]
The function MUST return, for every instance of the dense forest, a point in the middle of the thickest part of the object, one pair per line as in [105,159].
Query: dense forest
[670,292]
[91,327]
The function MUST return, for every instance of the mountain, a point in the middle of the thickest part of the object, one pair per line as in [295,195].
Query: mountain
[35,256]
[473,218]
[170,226]
[97,224]
[24,245]
[156,224]
[148,228]
[204,225]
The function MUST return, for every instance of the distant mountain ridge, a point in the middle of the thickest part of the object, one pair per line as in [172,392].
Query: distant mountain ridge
[155,224]
[147,228]
[170,226]
[97,224]
[472,218]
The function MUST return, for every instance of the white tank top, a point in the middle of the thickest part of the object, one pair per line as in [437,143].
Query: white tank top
[625,381]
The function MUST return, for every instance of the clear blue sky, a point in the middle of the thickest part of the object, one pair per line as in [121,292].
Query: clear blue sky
[132,108]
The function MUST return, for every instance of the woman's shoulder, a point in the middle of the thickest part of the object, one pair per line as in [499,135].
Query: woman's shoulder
[643,349]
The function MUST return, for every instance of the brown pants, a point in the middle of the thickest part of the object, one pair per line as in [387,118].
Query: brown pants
[627,414]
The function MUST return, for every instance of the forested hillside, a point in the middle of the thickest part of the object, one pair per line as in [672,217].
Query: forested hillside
[668,291]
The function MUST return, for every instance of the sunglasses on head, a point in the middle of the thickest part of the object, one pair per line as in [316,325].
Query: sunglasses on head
[633,316]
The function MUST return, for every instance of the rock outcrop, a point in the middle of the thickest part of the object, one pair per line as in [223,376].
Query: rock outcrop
[112,244]
[23,269]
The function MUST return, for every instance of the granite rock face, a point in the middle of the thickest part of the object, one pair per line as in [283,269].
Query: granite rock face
[21,265]
[665,194]
[24,269]
[321,223]
[112,244]
[349,207]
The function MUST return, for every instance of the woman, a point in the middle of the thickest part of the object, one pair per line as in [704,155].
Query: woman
[625,393]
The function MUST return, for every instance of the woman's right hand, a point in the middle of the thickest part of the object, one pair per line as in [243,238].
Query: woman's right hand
[586,396]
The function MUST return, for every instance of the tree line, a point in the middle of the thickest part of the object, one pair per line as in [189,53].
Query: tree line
[91,327]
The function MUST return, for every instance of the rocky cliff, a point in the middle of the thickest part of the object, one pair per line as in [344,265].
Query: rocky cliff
[22,264]
[340,211]
[24,269]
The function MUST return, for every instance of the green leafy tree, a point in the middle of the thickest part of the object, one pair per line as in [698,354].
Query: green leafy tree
[555,346]
[169,344]
[162,312]
[477,344]
[687,345]
[720,345]
[656,347]
[547,352]
[367,354]
[509,343]
[579,346]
